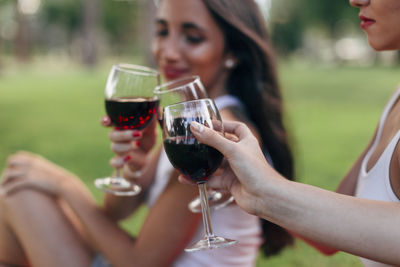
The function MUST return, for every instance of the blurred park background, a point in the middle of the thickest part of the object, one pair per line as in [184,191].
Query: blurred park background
[55,57]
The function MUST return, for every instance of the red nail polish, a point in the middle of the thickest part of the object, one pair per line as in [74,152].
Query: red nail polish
[138,143]
[136,134]
[127,158]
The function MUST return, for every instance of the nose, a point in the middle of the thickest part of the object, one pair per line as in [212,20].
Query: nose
[359,3]
[170,48]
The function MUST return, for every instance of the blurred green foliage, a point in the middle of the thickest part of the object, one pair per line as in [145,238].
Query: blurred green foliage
[290,19]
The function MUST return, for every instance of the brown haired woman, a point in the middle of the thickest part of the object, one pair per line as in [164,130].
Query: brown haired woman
[225,43]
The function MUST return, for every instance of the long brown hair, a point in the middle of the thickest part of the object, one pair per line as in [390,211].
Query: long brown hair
[254,81]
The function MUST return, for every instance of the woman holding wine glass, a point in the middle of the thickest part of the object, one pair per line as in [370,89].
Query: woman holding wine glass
[225,43]
[130,104]
[228,48]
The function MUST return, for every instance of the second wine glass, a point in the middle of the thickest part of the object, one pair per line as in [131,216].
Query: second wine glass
[193,159]
[187,89]
[131,105]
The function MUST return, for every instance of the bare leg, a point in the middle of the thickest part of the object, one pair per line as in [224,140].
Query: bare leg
[34,226]
[10,249]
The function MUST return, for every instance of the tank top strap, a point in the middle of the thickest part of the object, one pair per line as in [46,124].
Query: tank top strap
[382,121]
[224,101]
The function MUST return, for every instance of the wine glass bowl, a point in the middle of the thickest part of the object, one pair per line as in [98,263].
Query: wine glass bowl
[180,90]
[193,159]
[131,105]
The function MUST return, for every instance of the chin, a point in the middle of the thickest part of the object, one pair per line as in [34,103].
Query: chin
[379,46]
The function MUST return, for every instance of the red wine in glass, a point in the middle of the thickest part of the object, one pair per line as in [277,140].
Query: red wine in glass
[131,113]
[193,159]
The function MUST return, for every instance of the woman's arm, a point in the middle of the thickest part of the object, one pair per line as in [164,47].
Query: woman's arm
[347,187]
[366,228]
[169,226]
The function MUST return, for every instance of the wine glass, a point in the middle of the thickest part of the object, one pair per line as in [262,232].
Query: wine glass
[177,91]
[130,104]
[193,159]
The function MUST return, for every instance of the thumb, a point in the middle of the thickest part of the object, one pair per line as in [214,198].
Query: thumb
[210,137]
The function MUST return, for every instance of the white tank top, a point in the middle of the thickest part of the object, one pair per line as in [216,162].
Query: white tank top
[375,184]
[230,221]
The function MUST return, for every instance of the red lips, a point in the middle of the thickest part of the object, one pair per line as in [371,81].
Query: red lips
[366,22]
[171,72]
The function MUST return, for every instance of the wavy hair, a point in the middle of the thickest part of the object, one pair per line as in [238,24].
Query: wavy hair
[254,81]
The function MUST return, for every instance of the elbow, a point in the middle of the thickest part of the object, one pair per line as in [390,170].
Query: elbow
[327,251]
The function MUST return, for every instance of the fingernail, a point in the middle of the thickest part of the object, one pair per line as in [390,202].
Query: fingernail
[138,143]
[136,134]
[105,120]
[127,158]
[197,127]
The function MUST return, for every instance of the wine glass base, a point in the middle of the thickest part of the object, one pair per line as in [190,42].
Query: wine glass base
[211,243]
[117,186]
[216,200]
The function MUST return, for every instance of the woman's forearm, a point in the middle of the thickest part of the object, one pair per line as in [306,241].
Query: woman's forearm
[362,227]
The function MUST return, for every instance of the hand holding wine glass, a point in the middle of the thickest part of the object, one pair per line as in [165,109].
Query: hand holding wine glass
[130,105]
[193,159]
[187,89]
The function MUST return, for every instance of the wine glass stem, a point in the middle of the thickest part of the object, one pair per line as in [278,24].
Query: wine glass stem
[117,172]
[117,176]
[205,210]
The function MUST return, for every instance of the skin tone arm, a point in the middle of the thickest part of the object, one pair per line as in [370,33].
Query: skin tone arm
[148,249]
[362,227]
[346,187]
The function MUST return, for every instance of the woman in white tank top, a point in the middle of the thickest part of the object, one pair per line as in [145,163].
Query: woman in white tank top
[224,42]
[363,216]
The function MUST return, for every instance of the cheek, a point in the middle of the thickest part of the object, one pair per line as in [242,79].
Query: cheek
[206,60]
[389,36]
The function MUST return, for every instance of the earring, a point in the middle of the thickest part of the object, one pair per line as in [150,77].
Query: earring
[229,63]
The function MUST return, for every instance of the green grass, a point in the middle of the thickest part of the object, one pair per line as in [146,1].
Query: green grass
[331,114]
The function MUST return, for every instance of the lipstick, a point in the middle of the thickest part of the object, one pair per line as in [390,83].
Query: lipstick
[366,22]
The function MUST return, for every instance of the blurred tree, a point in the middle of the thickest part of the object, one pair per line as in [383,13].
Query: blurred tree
[65,13]
[89,29]
[86,22]
[290,19]
[119,21]
[146,27]
[22,37]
